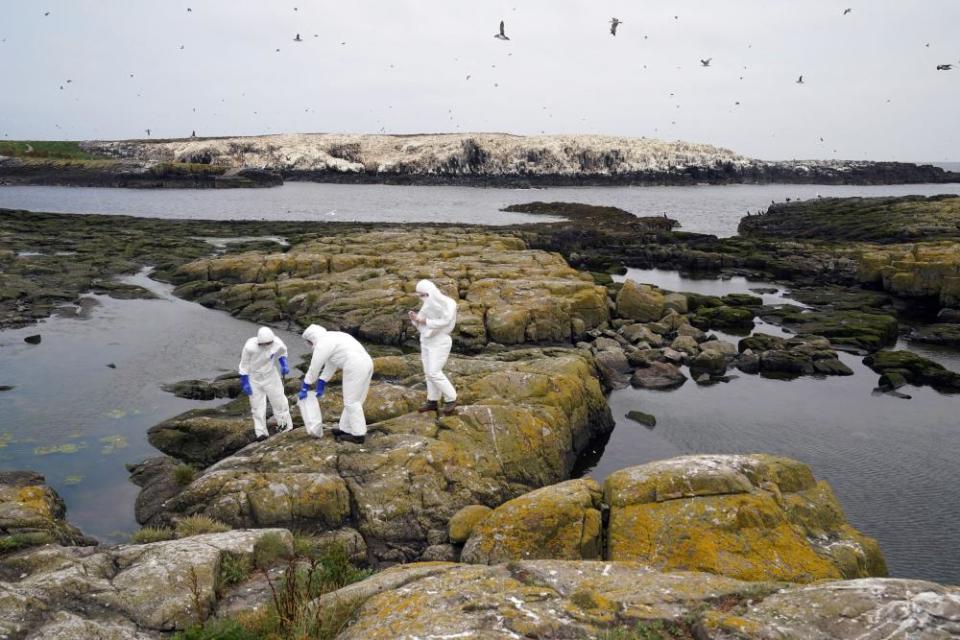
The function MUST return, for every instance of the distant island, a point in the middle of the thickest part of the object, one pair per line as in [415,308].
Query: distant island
[471,159]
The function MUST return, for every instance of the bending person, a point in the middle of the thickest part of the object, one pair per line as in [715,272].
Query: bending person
[260,380]
[435,320]
[333,350]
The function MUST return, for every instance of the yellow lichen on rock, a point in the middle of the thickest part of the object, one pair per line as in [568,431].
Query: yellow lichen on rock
[756,517]
[561,522]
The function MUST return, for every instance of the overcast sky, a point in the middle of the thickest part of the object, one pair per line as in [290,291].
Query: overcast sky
[871,88]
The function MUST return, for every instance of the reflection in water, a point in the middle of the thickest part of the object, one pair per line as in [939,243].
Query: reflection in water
[704,209]
[76,420]
[890,461]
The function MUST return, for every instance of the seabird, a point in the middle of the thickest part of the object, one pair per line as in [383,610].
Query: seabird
[614,23]
[800,80]
[706,62]
[846,11]
[148,131]
[940,67]
[502,35]
[297,38]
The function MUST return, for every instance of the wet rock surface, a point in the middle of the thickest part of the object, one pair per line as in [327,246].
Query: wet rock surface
[583,599]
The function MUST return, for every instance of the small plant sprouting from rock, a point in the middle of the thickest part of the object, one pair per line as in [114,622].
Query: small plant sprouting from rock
[184,474]
[152,534]
[292,612]
[268,549]
[234,569]
[198,524]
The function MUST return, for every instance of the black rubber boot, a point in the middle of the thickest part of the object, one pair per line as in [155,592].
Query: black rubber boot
[430,405]
[449,408]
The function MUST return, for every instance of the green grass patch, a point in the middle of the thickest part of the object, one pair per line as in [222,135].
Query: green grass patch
[152,534]
[290,613]
[19,541]
[60,149]
[199,524]
[184,474]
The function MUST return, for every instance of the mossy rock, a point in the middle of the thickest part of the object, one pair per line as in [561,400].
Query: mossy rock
[914,369]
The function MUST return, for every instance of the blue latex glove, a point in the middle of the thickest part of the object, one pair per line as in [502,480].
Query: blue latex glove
[304,388]
[321,387]
[284,369]
[245,385]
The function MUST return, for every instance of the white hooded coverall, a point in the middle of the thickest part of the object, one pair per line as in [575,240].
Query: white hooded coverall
[333,350]
[260,362]
[438,316]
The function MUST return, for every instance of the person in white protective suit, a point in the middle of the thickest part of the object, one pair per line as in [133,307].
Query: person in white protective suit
[435,321]
[260,379]
[333,350]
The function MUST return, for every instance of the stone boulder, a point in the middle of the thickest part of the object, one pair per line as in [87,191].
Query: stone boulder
[582,599]
[685,344]
[658,375]
[942,333]
[559,522]
[637,332]
[735,320]
[31,513]
[130,591]
[640,302]
[751,517]
[713,363]
[524,418]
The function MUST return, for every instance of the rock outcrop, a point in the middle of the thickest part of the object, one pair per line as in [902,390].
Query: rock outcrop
[502,159]
[525,417]
[363,283]
[583,599]
[751,517]
[31,513]
[130,592]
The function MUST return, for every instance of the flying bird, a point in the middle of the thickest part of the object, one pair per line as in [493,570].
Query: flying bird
[706,62]
[46,13]
[940,67]
[148,131]
[298,38]
[846,11]
[800,80]
[189,10]
[614,23]
[502,35]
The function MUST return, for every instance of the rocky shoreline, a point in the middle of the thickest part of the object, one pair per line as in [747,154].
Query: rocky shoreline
[481,159]
[482,511]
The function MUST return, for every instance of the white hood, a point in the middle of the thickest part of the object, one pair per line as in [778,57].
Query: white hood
[313,333]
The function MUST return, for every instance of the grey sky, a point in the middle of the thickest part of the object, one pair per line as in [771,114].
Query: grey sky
[566,74]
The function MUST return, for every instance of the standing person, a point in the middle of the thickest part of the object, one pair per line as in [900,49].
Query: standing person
[334,350]
[435,320]
[260,380]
